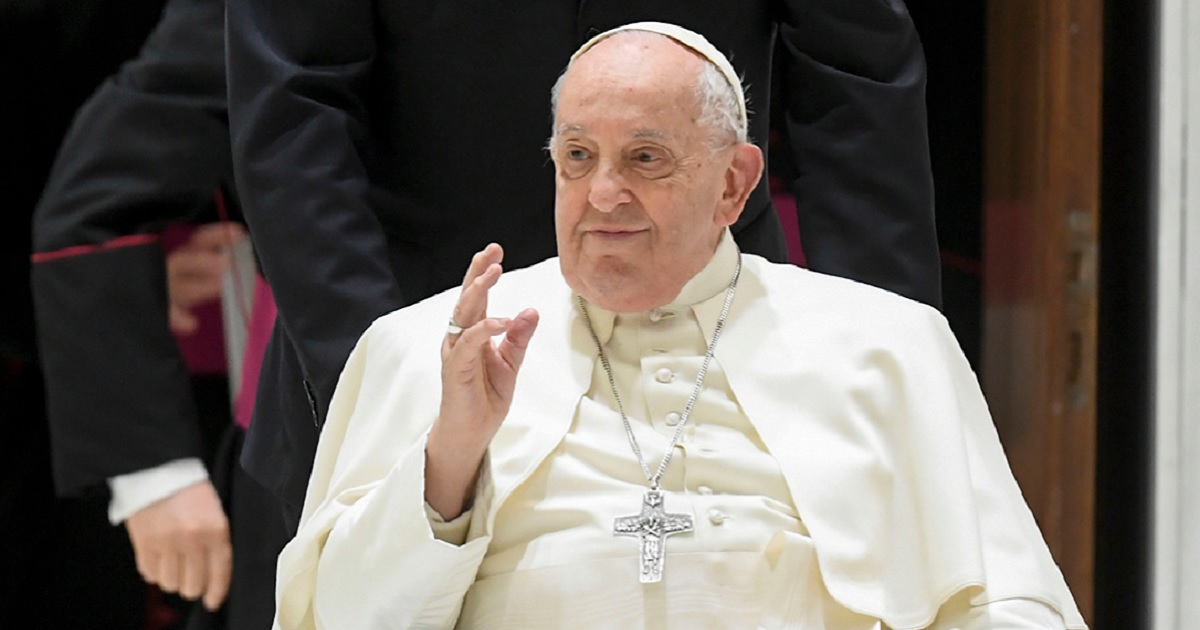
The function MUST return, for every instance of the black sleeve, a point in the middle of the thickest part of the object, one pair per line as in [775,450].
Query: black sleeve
[298,73]
[853,79]
[148,148]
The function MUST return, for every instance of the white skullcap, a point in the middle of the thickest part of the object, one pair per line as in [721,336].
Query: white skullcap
[693,40]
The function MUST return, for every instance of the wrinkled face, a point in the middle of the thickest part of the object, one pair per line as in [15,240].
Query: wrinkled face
[641,197]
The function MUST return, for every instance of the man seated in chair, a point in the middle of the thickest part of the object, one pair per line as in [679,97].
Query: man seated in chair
[693,438]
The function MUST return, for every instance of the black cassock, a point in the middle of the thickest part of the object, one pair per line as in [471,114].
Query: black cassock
[149,148]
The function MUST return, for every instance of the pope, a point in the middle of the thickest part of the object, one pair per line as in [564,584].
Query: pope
[654,430]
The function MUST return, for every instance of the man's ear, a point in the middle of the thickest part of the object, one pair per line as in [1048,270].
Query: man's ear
[745,169]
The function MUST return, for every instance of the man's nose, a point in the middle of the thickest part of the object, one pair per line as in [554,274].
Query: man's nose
[608,188]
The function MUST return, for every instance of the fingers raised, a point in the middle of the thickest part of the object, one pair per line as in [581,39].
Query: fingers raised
[516,342]
[463,354]
[482,259]
[481,276]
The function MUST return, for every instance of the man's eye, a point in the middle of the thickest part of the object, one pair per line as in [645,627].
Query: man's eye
[577,155]
[652,164]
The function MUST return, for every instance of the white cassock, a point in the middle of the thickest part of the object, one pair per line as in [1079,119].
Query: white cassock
[840,465]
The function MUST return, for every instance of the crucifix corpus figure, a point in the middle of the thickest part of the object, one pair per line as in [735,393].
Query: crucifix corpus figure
[652,526]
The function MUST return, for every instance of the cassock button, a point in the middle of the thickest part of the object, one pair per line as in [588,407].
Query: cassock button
[663,375]
[673,419]
[716,517]
[704,490]
[656,315]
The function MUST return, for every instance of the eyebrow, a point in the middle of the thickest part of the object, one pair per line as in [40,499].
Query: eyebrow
[638,134]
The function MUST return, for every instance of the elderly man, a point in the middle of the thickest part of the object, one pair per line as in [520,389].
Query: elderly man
[694,438]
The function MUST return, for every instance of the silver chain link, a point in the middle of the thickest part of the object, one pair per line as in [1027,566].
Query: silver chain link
[653,479]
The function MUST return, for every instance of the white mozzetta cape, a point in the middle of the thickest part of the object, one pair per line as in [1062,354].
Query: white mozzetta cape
[864,397]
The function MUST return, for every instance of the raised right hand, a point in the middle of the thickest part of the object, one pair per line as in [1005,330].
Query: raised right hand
[182,544]
[478,379]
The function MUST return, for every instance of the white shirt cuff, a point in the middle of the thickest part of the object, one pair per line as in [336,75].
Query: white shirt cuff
[137,490]
[457,531]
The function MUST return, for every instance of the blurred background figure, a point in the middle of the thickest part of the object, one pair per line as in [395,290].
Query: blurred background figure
[138,364]
[63,565]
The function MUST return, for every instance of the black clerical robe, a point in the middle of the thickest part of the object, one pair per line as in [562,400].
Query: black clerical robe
[150,147]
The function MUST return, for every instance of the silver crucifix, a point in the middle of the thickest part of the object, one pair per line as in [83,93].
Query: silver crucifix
[652,525]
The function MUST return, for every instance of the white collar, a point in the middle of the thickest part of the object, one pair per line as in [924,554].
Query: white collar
[708,285]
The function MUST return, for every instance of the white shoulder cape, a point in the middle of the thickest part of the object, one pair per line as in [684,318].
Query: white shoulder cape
[864,397]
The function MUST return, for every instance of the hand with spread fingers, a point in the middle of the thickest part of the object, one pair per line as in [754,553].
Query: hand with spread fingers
[478,377]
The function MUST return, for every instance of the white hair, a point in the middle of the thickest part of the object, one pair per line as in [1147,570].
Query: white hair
[718,100]
[719,107]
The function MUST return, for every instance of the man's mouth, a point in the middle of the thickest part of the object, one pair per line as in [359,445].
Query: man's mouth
[615,231]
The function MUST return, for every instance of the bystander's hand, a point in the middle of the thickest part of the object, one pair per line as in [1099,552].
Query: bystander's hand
[195,269]
[478,378]
[182,544]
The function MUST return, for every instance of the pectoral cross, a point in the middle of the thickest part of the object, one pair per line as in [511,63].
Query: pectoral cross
[652,525]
